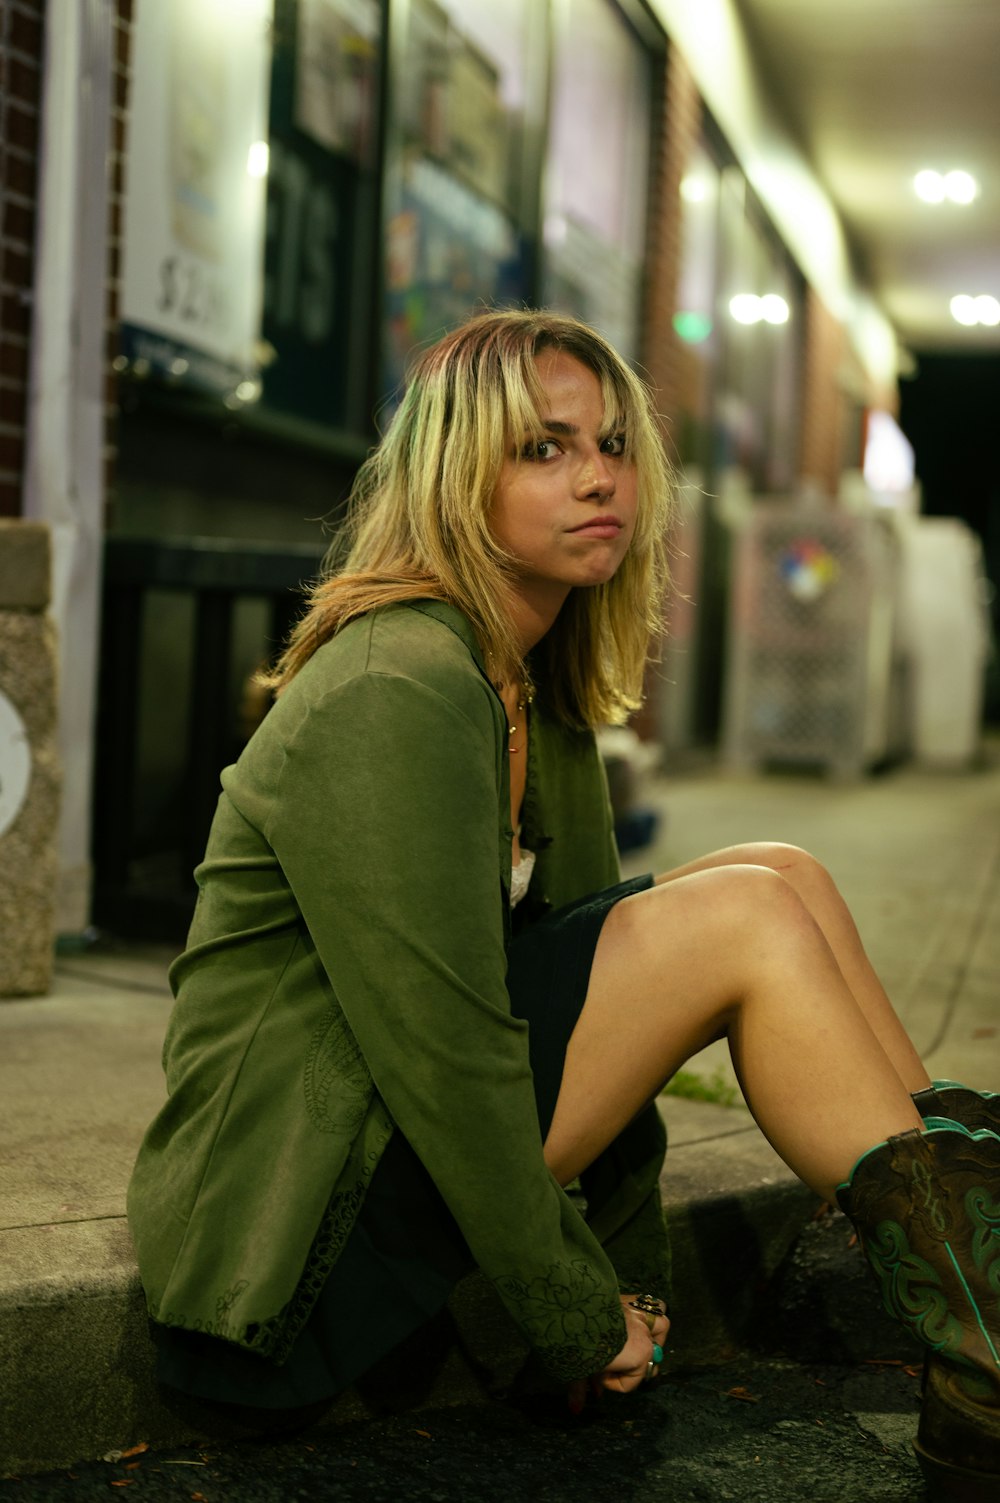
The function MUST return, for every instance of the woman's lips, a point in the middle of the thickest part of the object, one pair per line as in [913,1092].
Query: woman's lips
[598,527]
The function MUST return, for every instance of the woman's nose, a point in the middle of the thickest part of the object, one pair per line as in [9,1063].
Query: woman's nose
[596,476]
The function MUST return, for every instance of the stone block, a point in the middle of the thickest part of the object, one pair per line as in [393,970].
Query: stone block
[29,802]
[25,565]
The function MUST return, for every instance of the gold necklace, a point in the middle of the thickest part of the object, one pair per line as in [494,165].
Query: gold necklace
[524,699]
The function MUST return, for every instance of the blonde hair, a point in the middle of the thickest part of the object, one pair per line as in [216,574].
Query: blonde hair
[418,518]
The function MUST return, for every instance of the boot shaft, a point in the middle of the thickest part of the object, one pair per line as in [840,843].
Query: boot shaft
[976,1110]
[926,1207]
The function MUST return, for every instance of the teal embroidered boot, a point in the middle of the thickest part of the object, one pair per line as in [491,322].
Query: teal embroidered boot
[926,1207]
[958,1103]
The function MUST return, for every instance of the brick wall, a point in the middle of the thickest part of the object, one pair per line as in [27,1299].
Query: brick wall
[21,48]
[822,416]
[663,352]
[116,222]
[21,65]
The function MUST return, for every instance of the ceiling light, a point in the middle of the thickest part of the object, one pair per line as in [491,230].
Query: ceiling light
[748,308]
[960,187]
[745,308]
[929,185]
[694,190]
[257,159]
[934,187]
[774,309]
[970,311]
[987,310]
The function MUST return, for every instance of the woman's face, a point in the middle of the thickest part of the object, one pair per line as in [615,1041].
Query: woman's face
[565,506]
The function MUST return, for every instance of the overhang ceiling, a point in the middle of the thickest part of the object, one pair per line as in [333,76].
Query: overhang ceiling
[873,91]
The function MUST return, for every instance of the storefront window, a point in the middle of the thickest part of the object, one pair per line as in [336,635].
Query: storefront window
[321,212]
[460,202]
[759,309]
[738,326]
[597,170]
[251,214]
[696,317]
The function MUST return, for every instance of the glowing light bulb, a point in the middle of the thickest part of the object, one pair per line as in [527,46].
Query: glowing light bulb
[929,186]
[258,158]
[694,190]
[745,308]
[692,327]
[987,310]
[774,309]
[960,187]
[963,310]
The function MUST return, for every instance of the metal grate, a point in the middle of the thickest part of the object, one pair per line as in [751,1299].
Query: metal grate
[798,688]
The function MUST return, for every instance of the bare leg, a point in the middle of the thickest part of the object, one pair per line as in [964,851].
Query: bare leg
[818,891]
[731,951]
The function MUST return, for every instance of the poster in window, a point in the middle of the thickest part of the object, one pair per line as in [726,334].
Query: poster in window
[335,74]
[194,191]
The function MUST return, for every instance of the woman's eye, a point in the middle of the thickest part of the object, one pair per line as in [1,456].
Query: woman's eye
[545,448]
[615,445]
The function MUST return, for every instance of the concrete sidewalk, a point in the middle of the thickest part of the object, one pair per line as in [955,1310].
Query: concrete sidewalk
[918,857]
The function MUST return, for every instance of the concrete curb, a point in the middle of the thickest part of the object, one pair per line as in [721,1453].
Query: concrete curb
[76,1361]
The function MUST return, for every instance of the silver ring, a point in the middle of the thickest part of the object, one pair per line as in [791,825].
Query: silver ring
[651,1371]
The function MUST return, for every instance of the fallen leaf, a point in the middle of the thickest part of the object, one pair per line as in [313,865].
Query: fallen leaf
[425,1433]
[740,1392]
[132,1466]
[136,1450]
[123,1482]
[199,1498]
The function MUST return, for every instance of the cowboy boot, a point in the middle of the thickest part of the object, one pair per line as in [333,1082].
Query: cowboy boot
[958,1103]
[958,1437]
[926,1207]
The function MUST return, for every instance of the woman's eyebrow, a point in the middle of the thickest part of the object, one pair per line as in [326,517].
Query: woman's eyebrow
[556,425]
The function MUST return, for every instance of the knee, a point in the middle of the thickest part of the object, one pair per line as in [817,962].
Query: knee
[757,899]
[797,866]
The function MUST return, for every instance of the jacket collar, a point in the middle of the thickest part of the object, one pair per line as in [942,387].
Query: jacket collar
[451,617]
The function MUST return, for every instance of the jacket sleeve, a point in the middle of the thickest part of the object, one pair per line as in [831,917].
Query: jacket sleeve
[385,821]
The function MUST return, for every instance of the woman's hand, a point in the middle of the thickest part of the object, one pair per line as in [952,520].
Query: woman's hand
[626,1371]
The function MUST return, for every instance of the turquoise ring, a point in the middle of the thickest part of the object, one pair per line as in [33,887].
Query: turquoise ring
[657,1353]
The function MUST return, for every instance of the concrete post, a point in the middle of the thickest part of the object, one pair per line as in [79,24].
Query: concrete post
[64,470]
[29,768]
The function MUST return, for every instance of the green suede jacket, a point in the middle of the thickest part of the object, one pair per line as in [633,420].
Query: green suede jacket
[345,972]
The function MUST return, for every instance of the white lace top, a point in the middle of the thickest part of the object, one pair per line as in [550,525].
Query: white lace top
[520,876]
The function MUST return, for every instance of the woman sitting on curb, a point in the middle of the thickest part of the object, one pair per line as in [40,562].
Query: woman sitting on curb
[417,1000]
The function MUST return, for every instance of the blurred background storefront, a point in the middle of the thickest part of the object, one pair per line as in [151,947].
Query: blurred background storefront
[303,193]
